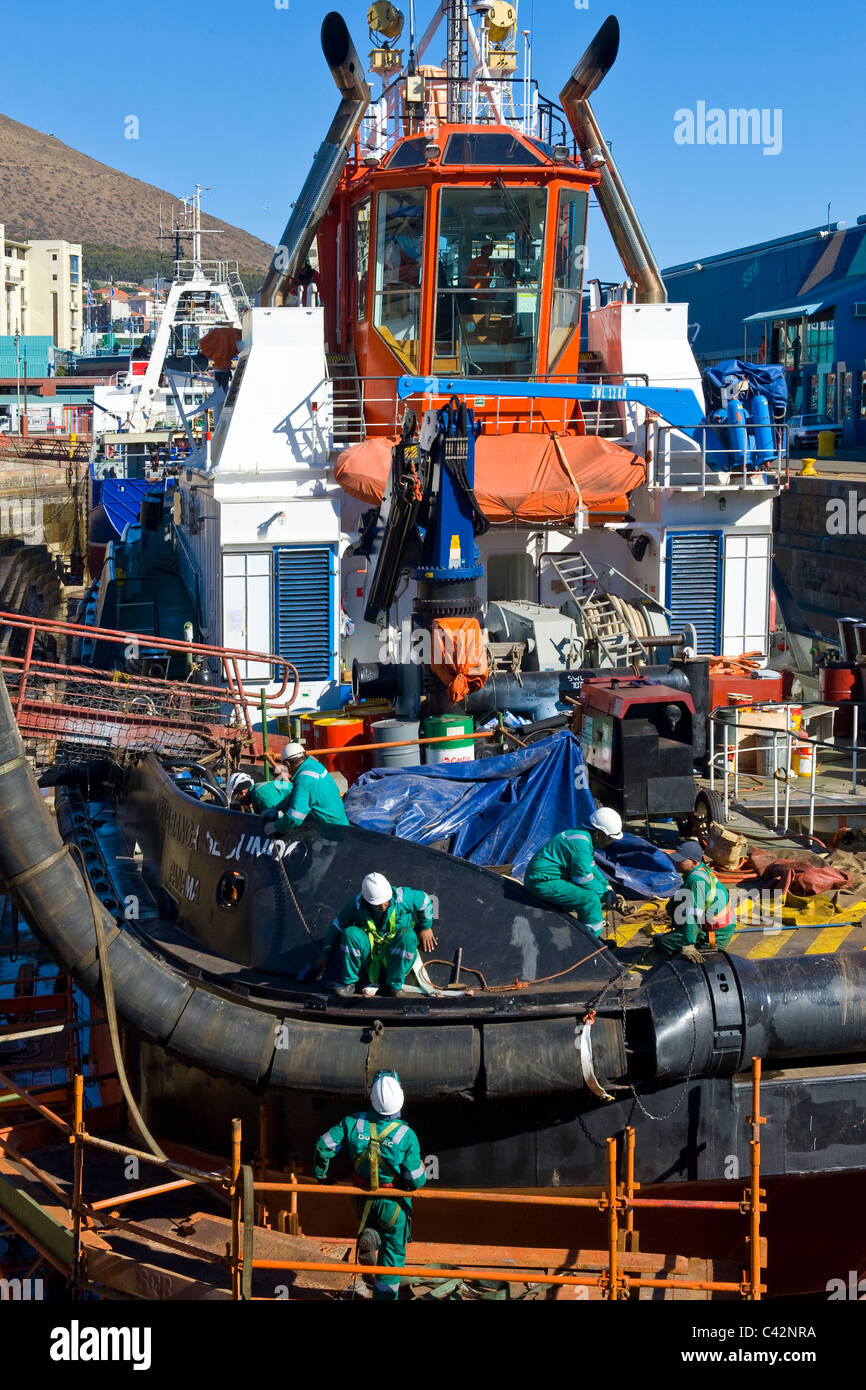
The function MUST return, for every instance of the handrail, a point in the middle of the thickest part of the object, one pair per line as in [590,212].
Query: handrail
[728,755]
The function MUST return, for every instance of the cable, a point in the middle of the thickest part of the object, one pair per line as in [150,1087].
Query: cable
[517,984]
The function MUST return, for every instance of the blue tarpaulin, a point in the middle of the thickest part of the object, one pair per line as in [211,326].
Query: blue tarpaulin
[767,380]
[501,810]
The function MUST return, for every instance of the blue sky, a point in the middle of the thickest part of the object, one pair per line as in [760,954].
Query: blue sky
[238,97]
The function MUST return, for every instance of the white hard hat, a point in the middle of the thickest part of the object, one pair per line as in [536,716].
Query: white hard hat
[292,750]
[386,1095]
[376,890]
[238,782]
[608,821]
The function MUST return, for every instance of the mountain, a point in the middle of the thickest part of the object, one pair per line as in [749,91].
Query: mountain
[48,189]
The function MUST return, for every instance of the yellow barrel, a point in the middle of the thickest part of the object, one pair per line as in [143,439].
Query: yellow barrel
[826,444]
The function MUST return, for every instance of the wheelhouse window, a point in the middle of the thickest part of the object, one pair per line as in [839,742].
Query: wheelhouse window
[361,255]
[410,153]
[490,244]
[399,262]
[567,271]
[484,147]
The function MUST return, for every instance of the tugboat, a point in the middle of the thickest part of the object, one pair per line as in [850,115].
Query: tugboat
[510,474]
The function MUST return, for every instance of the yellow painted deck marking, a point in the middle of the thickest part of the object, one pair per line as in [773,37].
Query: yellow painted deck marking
[830,939]
[770,945]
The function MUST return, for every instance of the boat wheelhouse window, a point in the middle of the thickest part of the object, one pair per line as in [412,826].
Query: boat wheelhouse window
[361,255]
[490,242]
[569,254]
[487,147]
[408,155]
[399,261]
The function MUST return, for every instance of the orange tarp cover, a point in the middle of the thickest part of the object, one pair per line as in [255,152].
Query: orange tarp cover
[220,346]
[518,477]
[460,657]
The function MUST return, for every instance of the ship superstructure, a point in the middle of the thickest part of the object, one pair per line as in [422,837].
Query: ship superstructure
[448,221]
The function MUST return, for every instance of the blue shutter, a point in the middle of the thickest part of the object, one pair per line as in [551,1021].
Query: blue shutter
[694,585]
[304,599]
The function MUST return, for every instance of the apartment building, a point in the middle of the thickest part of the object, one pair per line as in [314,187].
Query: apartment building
[14,268]
[56,291]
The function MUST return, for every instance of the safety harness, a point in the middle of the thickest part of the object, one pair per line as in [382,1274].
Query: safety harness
[373,1152]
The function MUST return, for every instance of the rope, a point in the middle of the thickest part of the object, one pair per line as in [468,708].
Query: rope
[110,1008]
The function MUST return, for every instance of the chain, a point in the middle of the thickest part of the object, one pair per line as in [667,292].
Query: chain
[294,898]
[638,1102]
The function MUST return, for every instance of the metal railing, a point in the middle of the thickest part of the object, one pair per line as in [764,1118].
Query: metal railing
[773,751]
[616,1202]
[124,706]
[713,466]
[369,407]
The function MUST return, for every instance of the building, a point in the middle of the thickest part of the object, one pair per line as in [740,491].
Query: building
[14,316]
[799,300]
[55,291]
[41,291]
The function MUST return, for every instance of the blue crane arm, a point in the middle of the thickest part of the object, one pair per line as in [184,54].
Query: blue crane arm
[677,404]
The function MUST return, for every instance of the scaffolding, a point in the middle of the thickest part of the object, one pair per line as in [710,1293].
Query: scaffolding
[252,1198]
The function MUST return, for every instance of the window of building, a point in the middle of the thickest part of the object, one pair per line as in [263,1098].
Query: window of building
[848,396]
[567,272]
[819,343]
[490,242]
[496,148]
[830,395]
[361,256]
[74,270]
[399,264]
[813,394]
[861,409]
[787,343]
[54,255]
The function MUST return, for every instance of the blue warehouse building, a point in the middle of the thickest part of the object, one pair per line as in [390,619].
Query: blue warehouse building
[799,300]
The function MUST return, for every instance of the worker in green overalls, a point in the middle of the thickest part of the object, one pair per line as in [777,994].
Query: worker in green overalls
[312,795]
[700,910]
[380,931]
[386,1157]
[564,873]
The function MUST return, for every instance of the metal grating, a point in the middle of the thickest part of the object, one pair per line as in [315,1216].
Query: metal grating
[694,574]
[304,608]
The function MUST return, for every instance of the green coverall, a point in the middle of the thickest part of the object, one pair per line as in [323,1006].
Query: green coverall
[266,796]
[701,896]
[369,941]
[314,797]
[383,1151]
[564,874]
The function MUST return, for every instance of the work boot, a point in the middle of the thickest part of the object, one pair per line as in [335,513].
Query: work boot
[368,1246]
[345,991]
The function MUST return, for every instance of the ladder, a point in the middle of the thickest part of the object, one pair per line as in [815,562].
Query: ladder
[603,615]
[348,401]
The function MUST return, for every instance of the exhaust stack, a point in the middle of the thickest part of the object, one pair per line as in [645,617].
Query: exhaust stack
[318,190]
[619,214]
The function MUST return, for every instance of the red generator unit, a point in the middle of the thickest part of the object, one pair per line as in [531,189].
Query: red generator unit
[638,746]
